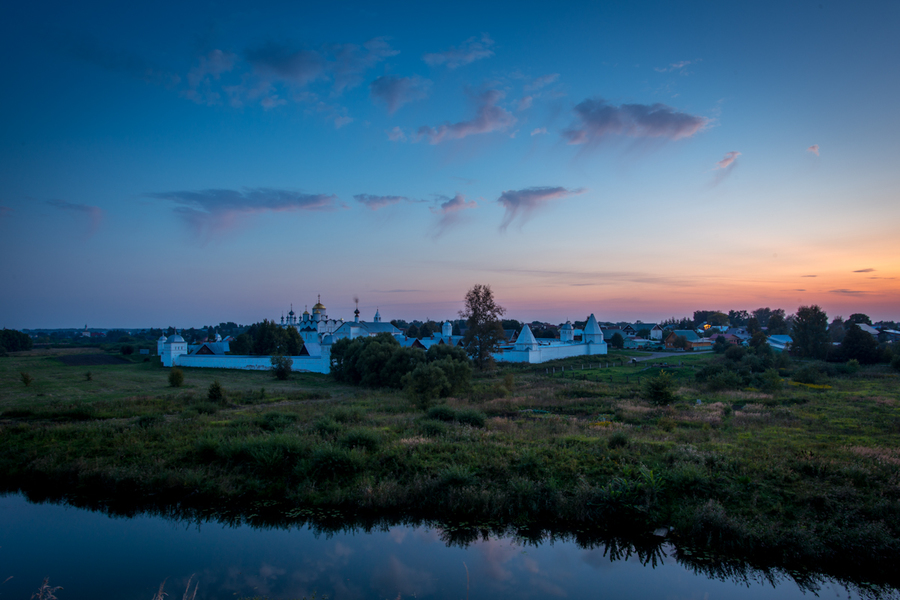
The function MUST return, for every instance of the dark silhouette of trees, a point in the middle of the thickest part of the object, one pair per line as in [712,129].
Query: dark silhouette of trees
[484,333]
[810,332]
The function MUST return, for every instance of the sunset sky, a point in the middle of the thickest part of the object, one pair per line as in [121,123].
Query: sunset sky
[168,165]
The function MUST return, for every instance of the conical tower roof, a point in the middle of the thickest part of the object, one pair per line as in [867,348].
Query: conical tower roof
[526,338]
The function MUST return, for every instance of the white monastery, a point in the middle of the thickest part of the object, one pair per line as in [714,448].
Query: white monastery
[319,333]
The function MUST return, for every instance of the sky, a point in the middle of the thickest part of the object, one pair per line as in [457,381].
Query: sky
[184,164]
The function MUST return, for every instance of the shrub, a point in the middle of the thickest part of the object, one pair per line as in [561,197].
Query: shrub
[326,426]
[895,362]
[618,439]
[471,417]
[216,393]
[127,349]
[725,380]
[769,382]
[442,413]
[176,377]
[808,374]
[426,383]
[433,428]
[361,438]
[281,366]
[88,376]
[660,389]
[735,353]
[26,378]
[274,421]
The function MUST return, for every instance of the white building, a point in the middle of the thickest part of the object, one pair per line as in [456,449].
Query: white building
[528,349]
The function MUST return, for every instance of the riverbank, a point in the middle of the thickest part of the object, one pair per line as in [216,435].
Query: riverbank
[806,477]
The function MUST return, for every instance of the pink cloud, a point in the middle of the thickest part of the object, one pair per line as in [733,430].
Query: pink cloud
[539,131]
[93,213]
[214,211]
[396,135]
[468,52]
[814,149]
[376,202]
[729,158]
[450,212]
[489,117]
[397,91]
[524,202]
[541,82]
[596,120]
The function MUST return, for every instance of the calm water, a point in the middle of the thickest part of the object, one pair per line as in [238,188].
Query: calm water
[95,556]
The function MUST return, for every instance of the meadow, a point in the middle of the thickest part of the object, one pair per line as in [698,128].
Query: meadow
[805,476]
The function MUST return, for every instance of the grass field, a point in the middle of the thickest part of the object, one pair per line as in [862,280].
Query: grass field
[807,476]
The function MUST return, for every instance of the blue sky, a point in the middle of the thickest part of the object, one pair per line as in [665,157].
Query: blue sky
[185,165]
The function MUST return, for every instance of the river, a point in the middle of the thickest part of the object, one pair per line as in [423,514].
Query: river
[95,556]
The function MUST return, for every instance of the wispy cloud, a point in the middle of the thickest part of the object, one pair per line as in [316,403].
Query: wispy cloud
[809,276]
[541,82]
[278,62]
[864,270]
[596,120]
[352,61]
[94,214]
[521,203]
[729,158]
[376,202]
[676,66]
[450,212]
[814,149]
[214,211]
[396,135]
[397,91]
[848,292]
[489,117]
[468,52]
[539,131]
[209,67]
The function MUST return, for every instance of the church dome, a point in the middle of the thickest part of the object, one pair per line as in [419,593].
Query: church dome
[162,339]
[175,339]
[319,306]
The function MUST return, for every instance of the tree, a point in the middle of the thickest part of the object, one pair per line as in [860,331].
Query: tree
[762,316]
[617,341]
[810,332]
[281,366]
[412,332]
[643,333]
[859,345]
[859,319]
[484,332]
[717,318]
[680,341]
[738,318]
[753,325]
[777,324]
[836,330]
[659,390]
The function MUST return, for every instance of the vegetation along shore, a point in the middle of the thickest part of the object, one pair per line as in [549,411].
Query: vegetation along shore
[755,458]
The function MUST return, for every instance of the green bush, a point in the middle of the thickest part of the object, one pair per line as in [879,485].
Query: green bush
[216,393]
[433,428]
[361,438]
[442,413]
[281,366]
[808,374]
[127,349]
[176,377]
[275,421]
[471,417]
[769,382]
[895,362]
[725,380]
[326,426]
[659,390]
[26,378]
[619,439]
